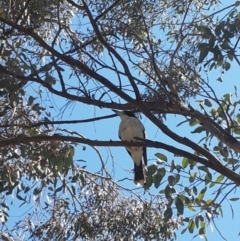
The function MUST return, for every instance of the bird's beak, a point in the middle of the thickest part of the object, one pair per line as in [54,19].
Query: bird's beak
[115,111]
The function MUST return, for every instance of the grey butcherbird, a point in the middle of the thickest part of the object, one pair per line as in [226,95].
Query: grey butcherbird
[129,129]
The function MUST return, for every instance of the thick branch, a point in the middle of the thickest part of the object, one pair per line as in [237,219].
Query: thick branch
[217,131]
[161,107]
[213,163]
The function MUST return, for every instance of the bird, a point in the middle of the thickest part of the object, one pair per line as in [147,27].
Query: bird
[130,128]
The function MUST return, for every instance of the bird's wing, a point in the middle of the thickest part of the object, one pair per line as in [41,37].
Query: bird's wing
[129,152]
[126,148]
[145,155]
[144,148]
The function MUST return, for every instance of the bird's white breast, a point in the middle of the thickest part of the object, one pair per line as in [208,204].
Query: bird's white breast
[130,128]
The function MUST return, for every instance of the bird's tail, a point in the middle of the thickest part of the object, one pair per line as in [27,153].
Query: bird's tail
[139,176]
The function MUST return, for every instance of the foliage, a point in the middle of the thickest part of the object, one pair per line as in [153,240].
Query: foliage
[96,213]
[159,60]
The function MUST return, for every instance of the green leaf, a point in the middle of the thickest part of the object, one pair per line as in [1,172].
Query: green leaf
[230,55]
[197,201]
[179,205]
[149,182]
[59,163]
[207,103]
[6,53]
[185,162]
[171,180]
[161,157]
[173,166]
[219,178]
[202,193]
[168,214]
[75,178]
[61,69]
[5,205]
[158,177]
[50,80]
[232,161]
[218,29]
[211,42]
[232,211]
[167,192]
[193,122]
[202,231]
[27,189]
[227,97]
[73,190]
[184,230]
[216,148]
[191,226]
[198,130]
[235,89]
[208,178]
[177,178]
[192,177]
[197,221]
[151,170]
[194,190]
[182,122]
[209,201]
[221,211]
[219,79]
[5,213]
[162,171]
[212,184]
[83,181]
[211,66]
[202,220]
[203,55]
[30,100]
[36,191]
[203,168]
[157,180]
[18,44]
[205,29]
[236,130]
[20,198]
[224,152]
[59,189]
[234,199]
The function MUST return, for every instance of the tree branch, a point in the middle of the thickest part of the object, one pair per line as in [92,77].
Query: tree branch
[113,51]
[224,136]
[107,10]
[212,163]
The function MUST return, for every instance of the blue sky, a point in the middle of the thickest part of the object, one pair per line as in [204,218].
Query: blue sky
[119,162]
[117,156]
[118,159]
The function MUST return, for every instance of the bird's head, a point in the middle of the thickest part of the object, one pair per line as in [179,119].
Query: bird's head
[124,113]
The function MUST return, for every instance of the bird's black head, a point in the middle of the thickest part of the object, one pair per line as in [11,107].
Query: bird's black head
[125,112]
[129,113]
